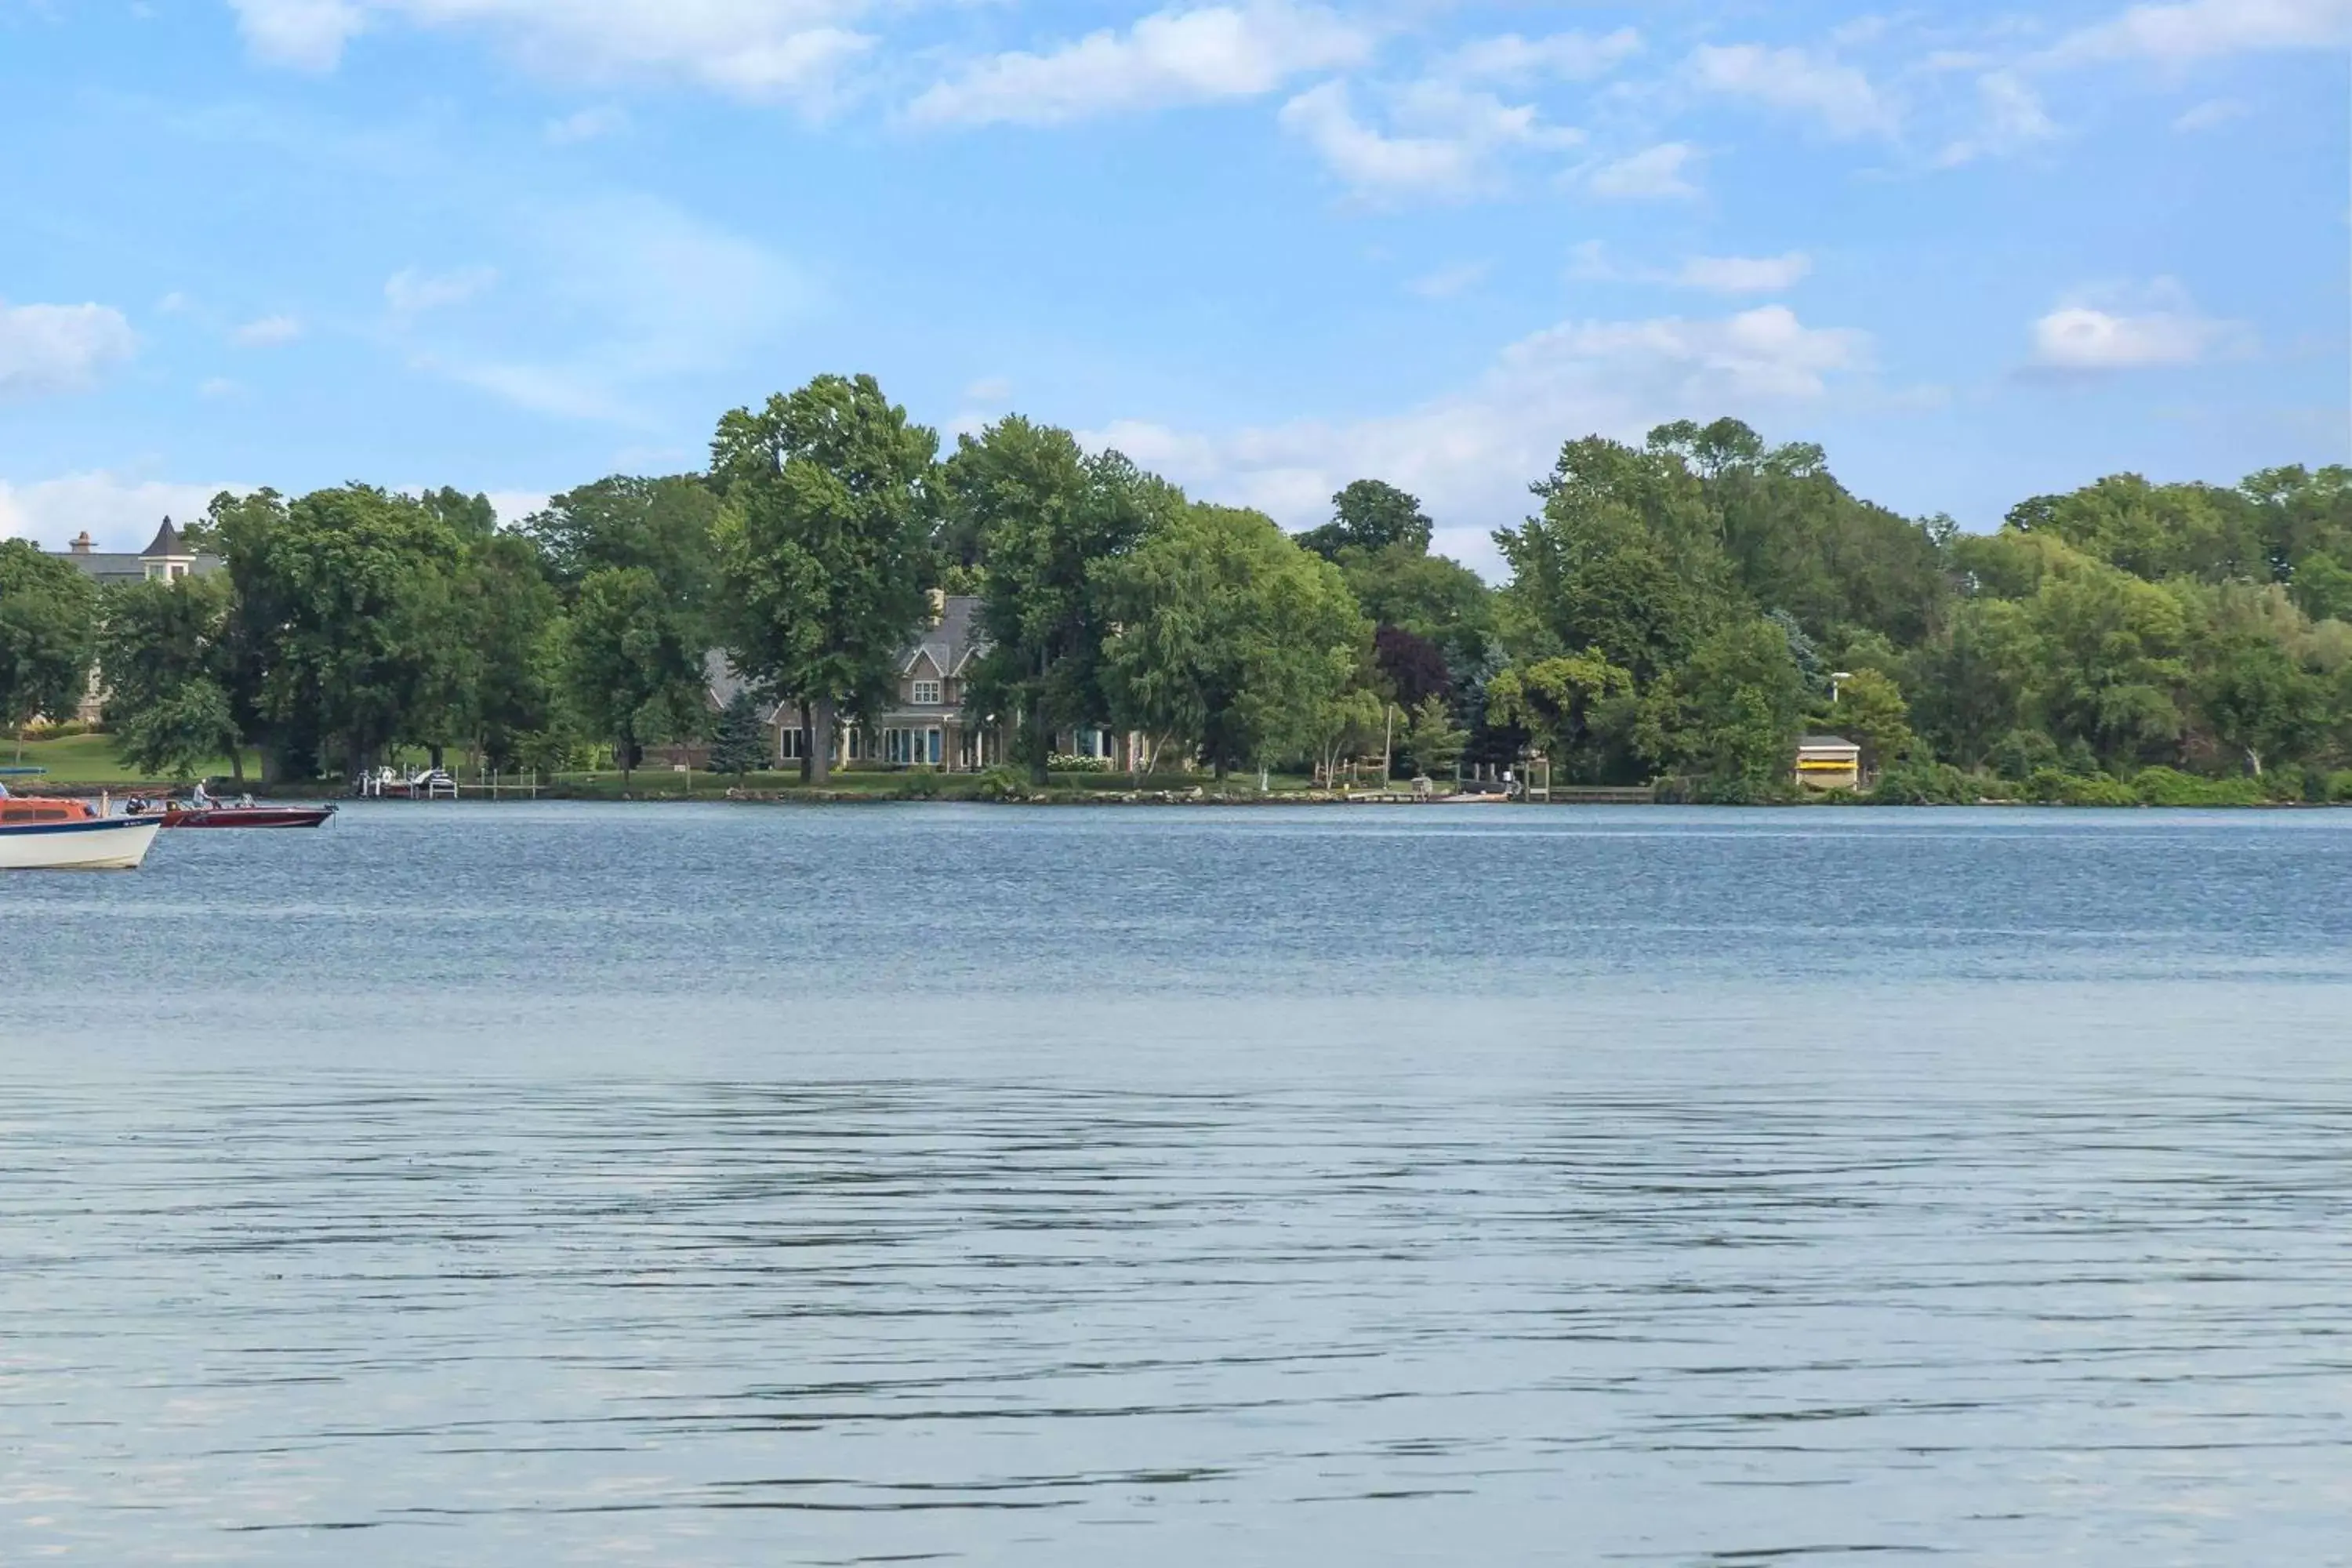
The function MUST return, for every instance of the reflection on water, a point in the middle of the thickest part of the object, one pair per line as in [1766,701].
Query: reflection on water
[456,1187]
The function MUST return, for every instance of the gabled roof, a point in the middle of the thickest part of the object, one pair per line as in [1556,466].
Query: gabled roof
[167,542]
[1827,743]
[719,676]
[955,642]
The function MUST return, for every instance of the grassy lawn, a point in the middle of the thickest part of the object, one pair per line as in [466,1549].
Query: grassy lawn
[656,783]
[90,759]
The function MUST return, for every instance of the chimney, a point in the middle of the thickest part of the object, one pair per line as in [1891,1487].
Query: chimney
[81,546]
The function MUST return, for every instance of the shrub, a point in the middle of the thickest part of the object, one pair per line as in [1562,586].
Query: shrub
[1001,783]
[1071,762]
[2051,786]
[1924,784]
[2339,787]
[2167,786]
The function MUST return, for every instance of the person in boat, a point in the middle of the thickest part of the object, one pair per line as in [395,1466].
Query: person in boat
[200,797]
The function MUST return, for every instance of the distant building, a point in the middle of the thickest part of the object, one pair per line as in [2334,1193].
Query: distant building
[1829,762]
[167,558]
[926,722]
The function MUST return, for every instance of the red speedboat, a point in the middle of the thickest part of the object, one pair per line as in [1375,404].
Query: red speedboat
[220,814]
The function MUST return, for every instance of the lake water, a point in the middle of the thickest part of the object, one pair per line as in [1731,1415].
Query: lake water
[686,1185]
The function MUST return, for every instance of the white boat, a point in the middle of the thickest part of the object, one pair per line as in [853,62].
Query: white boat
[47,834]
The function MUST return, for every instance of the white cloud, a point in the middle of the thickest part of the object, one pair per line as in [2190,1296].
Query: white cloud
[2126,329]
[217,386]
[2011,120]
[1572,56]
[118,513]
[1655,174]
[630,292]
[1471,455]
[1170,56]
[2181,33]
[1839,96]
[266,330]
[1746,274]
[751,49]
[1448,282]
[47,349]
[513,506]
[994,390]
[308,35]
[1452,138]
[2210,115]
[410,293]
[586,125]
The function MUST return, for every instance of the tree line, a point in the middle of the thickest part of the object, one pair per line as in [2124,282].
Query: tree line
[1680,611]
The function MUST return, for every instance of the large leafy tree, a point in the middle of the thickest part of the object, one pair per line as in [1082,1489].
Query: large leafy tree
[1730,716]
[1622,561]
[648,548]
[2260,702]
[1370,516]
[49,634]
[1568,705]
[1044,514]
[823,544]
[662,524]
[518,700]
[624,650]
[1231,638]
[165,654]
[352,614]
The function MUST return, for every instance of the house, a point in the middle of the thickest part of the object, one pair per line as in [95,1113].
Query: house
[1829,762]
[166,559]
[926,722]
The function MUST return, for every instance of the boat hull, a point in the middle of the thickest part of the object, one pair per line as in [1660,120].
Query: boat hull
[100,844]
[250,816]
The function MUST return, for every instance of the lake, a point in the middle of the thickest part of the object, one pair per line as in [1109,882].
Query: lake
[562,1184]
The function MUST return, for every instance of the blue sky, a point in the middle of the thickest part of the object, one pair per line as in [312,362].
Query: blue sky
[513,245]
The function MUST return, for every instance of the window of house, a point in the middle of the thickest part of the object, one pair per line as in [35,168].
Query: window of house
[788,742]
[935,748]
[927,693]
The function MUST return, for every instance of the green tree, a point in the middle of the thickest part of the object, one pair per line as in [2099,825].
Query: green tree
[1870,712]
[1730,716]
[353,604]
[1043,513]
[1564,704]
[516,619]
[823,544]
[1370,516]
[1231,638]
[664,525]
[164,653]
[631,676]
[1441,602]
[2154,531]
[740,744]
[1622,561]
[49,634]
[2260,703]
[1432,739]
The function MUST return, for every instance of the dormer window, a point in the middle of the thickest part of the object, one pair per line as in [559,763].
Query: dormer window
[927,693]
